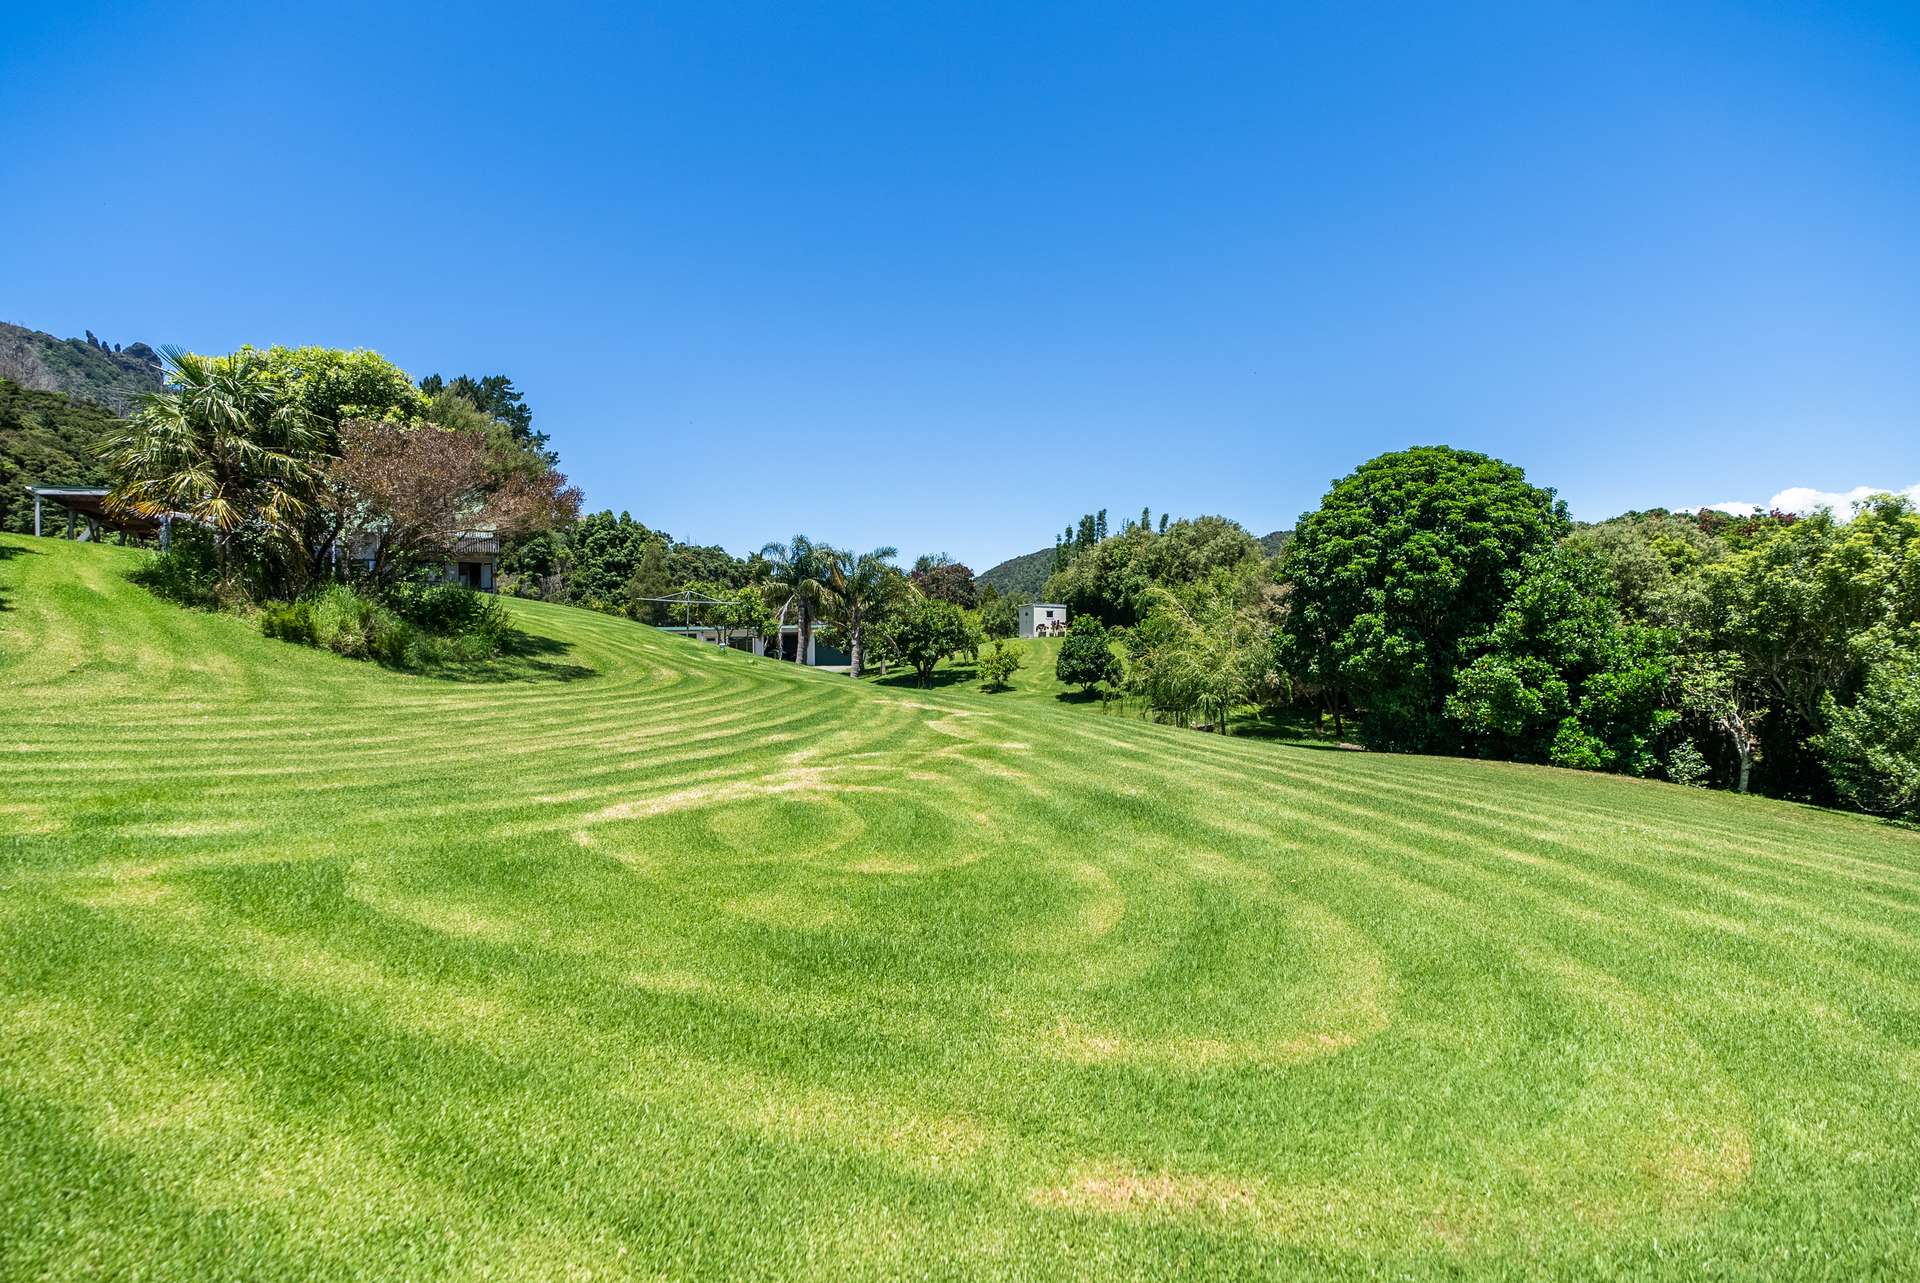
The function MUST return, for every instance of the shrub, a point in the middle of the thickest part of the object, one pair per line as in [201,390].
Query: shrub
[997,666]
[437,606]
[187,573]
[1686,764]
[399,631]
[359,627]
[290,621]
[342,621]
[392,641]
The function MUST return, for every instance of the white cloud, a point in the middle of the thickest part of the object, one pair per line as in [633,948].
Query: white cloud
[1806,499]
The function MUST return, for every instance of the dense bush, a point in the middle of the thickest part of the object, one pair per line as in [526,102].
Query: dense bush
[194,572]
[421,626]
[1086,657]
[447,609]
[1872,749]
[187,573]
[1562,678]
[290,621]
[1113,579]
[1686,764]
[350,623]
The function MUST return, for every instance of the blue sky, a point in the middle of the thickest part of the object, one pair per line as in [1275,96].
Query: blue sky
[947,276]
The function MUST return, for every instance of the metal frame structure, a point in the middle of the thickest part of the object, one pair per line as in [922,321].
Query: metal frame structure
[89,504]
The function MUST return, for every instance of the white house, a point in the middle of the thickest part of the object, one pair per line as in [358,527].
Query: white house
[472,563]
[1043,619]
[818,653]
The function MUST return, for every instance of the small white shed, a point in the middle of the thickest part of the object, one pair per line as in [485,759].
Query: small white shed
[1043,619]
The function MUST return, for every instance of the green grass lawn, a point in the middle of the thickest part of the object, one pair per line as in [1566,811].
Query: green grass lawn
[702,966]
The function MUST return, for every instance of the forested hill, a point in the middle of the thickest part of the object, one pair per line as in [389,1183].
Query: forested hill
[1022,576]
[90,369]
[45,439]
[1026,575]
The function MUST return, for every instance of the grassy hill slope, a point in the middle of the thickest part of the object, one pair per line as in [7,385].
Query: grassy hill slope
[709,967]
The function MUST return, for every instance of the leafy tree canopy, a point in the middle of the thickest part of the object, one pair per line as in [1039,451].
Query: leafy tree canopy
[332,385]
[1407,558]
[1561,678]
[1871,749]
[939,576]
[1203,648]
[999,612]
[494,396]
[925,630]
[1086,656]
[1798,604]
[1112,579]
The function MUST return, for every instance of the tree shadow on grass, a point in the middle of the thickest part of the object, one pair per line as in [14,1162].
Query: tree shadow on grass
[523,657]
[1292,728]
[8,551]
[907,679]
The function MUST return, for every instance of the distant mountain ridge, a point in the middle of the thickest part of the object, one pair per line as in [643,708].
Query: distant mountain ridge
[1026,575]
[88,369]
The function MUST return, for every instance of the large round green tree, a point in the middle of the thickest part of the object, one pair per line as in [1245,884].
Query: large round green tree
[1405,564]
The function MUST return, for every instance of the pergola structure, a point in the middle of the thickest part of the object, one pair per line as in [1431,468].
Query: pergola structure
[89,505]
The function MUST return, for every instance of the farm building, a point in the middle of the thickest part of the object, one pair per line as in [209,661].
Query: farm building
[1043,619]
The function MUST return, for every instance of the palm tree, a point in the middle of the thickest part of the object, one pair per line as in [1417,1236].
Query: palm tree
[220,446]
[856,583]
[800,567]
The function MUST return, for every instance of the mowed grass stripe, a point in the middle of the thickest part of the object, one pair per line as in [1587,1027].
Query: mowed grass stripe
[703,966]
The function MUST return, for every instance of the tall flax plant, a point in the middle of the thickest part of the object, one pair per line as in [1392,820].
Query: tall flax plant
[222,447]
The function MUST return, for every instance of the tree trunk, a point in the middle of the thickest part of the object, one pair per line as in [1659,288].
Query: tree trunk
[780,628]
[1744,742]
[853,643]
[806,633]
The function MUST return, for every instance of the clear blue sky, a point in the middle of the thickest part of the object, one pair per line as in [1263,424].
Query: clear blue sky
[945,276]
